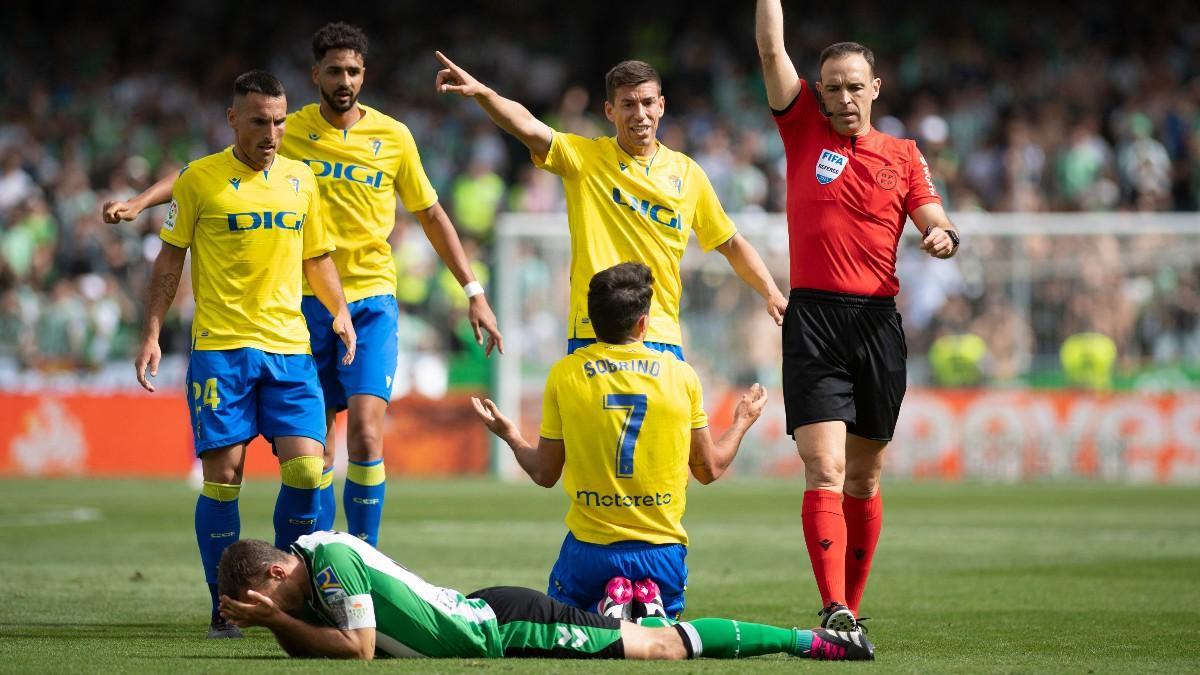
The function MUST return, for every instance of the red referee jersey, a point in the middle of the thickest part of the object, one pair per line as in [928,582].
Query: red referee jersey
[847,200]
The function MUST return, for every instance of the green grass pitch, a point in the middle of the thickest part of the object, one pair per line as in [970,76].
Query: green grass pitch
[103,576]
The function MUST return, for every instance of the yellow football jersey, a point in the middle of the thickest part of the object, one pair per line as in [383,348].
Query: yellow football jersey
[630,413]
[622,208]
[361,169]
[249,232]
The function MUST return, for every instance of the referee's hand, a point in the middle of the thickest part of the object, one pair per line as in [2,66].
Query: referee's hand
[937,243]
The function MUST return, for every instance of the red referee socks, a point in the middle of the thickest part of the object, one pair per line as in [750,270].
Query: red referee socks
[825,537]
[864,518]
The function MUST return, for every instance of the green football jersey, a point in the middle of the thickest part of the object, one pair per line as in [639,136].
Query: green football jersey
[355,586]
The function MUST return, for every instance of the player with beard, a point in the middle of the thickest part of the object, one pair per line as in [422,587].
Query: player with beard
[362,159]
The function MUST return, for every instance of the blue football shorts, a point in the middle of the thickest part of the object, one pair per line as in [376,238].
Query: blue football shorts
[582,570]
[236,394]
[676,350]
[376,322]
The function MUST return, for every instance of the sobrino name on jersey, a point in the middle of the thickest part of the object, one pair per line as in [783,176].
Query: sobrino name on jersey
[593,498]
[604,366]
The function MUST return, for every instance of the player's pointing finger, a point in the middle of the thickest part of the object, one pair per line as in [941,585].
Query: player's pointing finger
[445,60]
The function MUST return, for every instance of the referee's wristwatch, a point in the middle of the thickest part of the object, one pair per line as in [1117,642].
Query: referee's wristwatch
[953,234]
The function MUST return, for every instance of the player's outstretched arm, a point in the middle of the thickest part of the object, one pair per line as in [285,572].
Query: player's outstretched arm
[444,238]
[164,282]
[506,113]
[296,637]
[323,276]
[779,73]
[935,227]
[160,193]
[751,269]
[709,460]
[544,464]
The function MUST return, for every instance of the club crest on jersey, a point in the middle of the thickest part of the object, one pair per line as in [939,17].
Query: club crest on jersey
[328,584]
[830,166]
[172,215]
[376,144]
[313,137]
[676,183]
[295,182]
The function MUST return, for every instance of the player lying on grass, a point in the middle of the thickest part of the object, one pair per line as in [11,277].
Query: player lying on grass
[333,595]
[633,421]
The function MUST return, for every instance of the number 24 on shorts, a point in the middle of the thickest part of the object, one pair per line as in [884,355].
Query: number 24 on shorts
[206,395]
[634,406]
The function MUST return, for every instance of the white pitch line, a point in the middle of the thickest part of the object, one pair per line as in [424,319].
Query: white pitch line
[59,516]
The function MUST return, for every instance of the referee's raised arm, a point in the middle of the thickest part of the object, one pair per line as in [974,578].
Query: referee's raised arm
[779,73]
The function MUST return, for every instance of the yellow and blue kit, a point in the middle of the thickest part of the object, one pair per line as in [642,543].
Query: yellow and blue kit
[249,232]
[622,208]
[625,414]
[361,171]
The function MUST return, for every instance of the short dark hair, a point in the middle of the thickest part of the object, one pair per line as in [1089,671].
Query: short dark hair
[244,565]
[839,49]
[257,82]
[629,72]
[617,298]
[338,35]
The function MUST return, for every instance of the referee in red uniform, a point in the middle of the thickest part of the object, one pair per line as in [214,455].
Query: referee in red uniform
[850,189]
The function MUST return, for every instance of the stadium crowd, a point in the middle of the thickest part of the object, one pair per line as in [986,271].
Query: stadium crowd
[1074,107]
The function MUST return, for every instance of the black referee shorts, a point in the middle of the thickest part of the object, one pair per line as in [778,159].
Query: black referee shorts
[843,359]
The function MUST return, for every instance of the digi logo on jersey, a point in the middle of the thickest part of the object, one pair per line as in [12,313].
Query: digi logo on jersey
[351,172]
[250,220]
[654,212]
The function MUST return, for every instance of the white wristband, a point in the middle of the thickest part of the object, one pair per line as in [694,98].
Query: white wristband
[473,289]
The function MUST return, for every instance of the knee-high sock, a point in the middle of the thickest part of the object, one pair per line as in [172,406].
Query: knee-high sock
[362,498]
[328,501]
[729,639]
[825,537]
[864,519]
[298,504]
[218,524]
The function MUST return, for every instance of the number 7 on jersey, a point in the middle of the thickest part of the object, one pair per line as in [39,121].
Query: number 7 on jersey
[634,406]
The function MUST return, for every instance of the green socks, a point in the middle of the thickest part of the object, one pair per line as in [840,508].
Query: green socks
[729,639]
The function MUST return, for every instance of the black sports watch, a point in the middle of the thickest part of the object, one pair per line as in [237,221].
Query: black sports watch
[954,238]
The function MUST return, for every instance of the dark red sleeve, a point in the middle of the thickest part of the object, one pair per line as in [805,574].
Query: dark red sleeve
[920,181]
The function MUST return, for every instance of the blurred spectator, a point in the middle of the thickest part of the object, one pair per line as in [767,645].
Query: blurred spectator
[477,196]
[1062,107]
